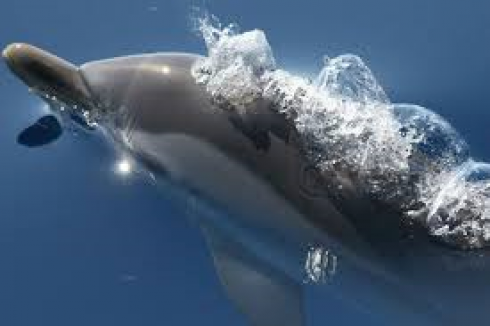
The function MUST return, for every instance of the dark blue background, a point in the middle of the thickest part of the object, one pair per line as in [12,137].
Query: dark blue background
[81,245]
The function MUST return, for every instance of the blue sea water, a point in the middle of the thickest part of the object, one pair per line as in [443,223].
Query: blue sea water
[82,245]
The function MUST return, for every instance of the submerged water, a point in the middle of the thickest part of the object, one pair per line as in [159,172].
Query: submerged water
[83,245]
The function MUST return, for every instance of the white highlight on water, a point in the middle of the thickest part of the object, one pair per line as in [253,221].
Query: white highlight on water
[320,265]
[124,167]
[402,155]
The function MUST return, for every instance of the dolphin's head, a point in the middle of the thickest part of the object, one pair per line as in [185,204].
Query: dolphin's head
[157,88]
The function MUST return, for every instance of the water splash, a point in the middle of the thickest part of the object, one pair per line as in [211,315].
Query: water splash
[460,213]
[347,76]
[320,265]
[401,155]
[437,151]
[232,71]
[73,116]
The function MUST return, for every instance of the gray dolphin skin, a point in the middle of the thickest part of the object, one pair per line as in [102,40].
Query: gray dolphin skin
[277,205]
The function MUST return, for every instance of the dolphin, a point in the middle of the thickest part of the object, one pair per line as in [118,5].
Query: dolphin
[268,217]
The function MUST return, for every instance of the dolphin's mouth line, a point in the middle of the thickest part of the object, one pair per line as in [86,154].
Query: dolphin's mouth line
[58,82]
[73,116]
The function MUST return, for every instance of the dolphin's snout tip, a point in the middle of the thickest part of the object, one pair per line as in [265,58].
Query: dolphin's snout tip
[6,52]
[10,49]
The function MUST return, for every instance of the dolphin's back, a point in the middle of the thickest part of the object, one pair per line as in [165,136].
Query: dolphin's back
[110,79]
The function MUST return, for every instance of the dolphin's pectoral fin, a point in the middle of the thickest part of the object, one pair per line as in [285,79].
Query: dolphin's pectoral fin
[44,131]
[264,295]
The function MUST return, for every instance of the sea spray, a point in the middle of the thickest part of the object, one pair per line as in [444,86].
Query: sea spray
[401,155]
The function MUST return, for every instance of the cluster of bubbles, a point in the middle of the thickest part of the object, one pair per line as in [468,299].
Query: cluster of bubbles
[460,211]
[320,265]
[402,155]
[73,116]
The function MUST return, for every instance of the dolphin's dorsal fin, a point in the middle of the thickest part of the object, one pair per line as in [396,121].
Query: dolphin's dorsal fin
[267,297]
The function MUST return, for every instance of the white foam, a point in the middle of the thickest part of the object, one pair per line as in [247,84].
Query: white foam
[235,63]
[398,153]
[460,213]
